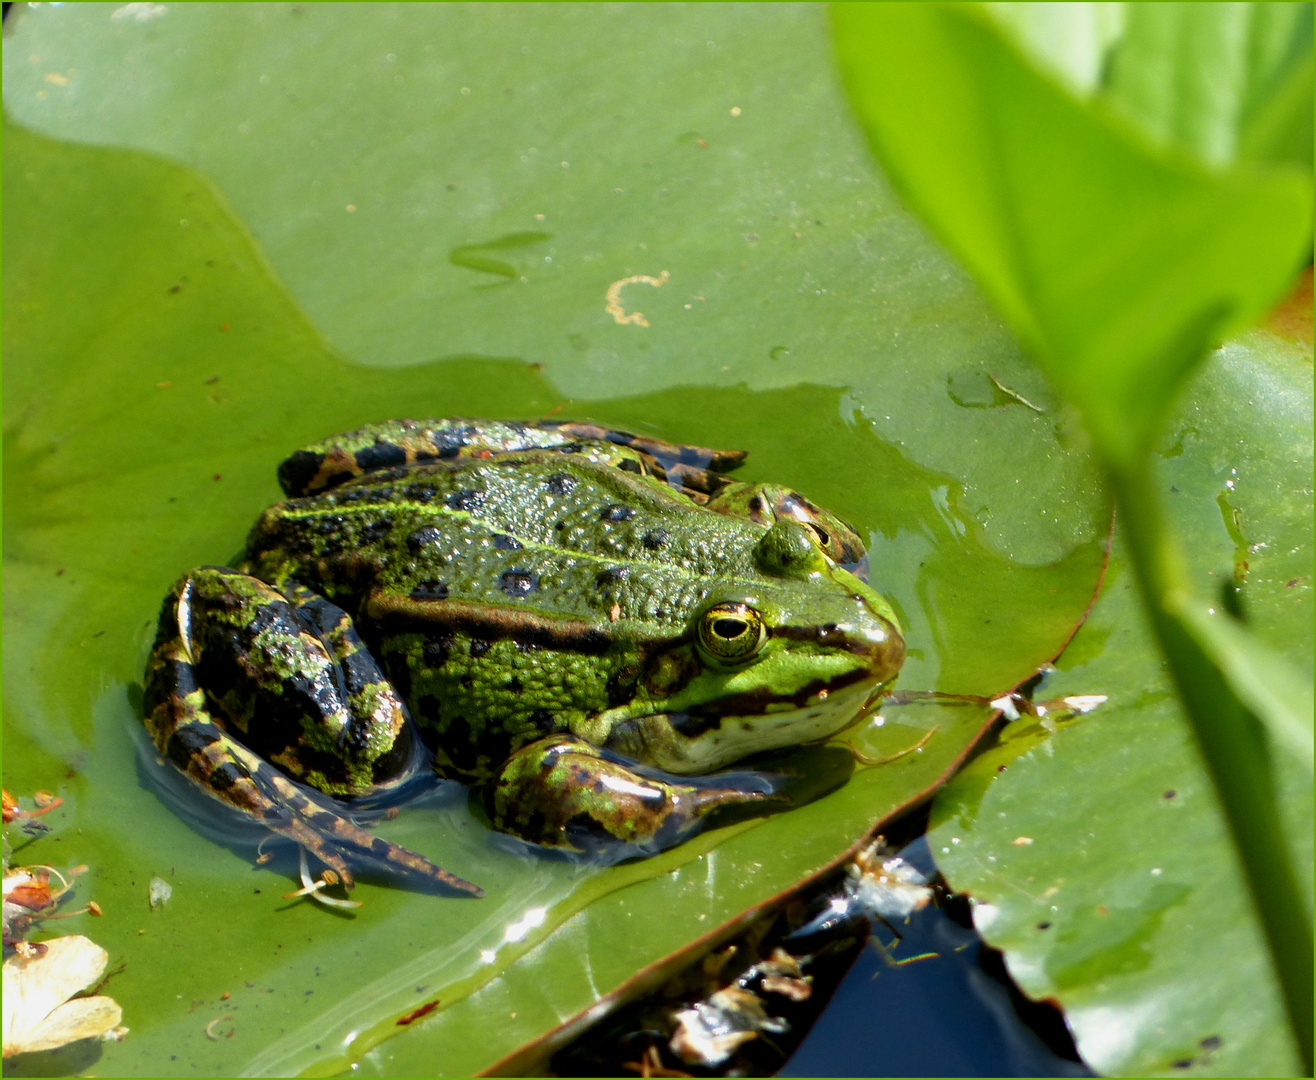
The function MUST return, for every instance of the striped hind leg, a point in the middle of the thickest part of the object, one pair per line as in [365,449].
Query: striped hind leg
[233,653]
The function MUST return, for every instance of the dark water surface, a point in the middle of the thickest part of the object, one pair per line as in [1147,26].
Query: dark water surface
[954,1014]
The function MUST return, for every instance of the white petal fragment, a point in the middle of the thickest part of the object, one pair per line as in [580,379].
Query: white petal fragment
[37,1012]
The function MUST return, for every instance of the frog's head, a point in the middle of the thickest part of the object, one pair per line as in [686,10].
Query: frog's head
[788,653]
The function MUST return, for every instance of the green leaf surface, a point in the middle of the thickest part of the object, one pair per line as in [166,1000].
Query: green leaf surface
[1098,857]
[157,370]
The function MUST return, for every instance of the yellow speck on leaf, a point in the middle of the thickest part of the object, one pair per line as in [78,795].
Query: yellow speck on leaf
[735,110]
[614,307]
[55,78]
[1022,841]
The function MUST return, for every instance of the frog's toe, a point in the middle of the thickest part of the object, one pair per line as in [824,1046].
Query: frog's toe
[229,771]
[337,842]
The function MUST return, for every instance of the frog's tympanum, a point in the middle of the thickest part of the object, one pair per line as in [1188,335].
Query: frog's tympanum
[585,622]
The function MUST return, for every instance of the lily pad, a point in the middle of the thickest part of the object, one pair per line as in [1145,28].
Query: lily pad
[157,370]
[1098,857]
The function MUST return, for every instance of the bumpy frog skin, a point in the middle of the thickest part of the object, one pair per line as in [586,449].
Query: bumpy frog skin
[583,621]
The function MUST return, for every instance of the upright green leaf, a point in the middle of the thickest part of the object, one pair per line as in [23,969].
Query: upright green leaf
[1120,265]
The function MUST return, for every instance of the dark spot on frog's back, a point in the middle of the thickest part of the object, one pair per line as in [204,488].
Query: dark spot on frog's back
[435,651]
[560,484]
[517,583]
[467,499]
[450,443]
[503,542]
[611,576]
[655,539]
[622,685]
[479,646]
[328,525]
[421,537]
[616,512]
[376,531]
[430,590]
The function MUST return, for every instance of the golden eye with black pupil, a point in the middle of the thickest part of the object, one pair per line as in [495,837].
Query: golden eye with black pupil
[731,632]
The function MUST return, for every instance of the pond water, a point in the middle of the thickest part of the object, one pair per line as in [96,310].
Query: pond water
[953,1012]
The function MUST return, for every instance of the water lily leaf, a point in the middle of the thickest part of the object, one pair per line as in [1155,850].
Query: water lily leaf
[157,370]
[1098,857]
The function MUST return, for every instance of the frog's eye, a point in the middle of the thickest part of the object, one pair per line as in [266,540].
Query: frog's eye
[731,632]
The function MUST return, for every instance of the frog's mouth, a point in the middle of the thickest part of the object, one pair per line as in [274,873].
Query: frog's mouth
[689,743]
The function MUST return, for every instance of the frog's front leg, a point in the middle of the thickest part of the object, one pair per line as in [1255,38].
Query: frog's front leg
[242,675]
[566,793]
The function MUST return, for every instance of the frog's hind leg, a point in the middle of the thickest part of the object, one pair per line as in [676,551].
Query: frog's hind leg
[232,653]
[565,793]
[696,470]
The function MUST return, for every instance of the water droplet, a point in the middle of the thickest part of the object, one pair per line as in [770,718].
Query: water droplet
[779,353]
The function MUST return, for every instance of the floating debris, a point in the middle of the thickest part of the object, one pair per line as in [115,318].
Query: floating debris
[886,888]
[211,1033]
[416,1014]
[38,983]
[711,1031]
[314,887]
[159,892]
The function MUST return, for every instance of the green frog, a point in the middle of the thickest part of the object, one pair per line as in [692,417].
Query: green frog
[588,623]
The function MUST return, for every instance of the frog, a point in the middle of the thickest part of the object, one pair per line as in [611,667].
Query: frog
[589,626]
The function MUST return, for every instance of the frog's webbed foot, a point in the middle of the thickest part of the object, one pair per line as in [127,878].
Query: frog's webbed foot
[295,685]
[563,792]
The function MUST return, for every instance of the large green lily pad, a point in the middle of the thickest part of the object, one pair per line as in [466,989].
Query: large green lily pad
[157,369]
[1098,857]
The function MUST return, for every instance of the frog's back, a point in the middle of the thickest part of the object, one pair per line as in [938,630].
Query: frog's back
[552,534]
